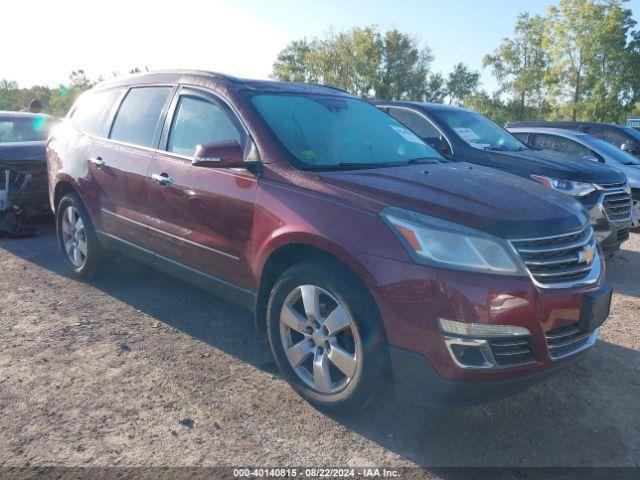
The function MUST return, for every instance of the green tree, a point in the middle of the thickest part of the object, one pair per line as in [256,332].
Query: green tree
[519,65]
[461,82]
[363,61]
[589,47]
[405,68]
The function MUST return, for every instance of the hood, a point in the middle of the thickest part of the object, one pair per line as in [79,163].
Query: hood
[498,203]
[24,157]
[19,151]
[560,166]
[632,172]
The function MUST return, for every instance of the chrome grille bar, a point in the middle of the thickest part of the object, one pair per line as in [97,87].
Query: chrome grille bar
[560,261]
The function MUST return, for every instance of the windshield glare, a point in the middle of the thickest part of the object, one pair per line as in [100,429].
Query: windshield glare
[479,132]
[325,132]
[26,129]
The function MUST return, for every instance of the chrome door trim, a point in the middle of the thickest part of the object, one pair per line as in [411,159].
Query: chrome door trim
[190,242]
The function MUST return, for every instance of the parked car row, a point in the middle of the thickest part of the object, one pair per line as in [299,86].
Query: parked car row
[463,135]
[370,257]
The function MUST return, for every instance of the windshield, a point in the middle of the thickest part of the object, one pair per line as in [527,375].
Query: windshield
[325,132]
[24,129]
[478,131]
[613,151]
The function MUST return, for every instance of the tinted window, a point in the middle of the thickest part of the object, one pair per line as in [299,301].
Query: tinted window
[421,127]
[197,122]
[93,110]
[138,115]
[560,144]
[414,122]
[331,132]
[610,135]
[523,137]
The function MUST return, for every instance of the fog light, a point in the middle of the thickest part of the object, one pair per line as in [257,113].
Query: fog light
[468,343]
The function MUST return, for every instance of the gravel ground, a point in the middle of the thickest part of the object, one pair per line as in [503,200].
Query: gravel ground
[138,369]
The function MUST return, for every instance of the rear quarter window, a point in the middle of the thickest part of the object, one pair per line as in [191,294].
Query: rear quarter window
[139,114]
[93,110]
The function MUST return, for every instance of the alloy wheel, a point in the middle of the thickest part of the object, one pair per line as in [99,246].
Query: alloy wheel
[74,237]
[320,339]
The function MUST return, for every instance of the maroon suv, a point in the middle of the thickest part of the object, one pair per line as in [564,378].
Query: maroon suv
[368,258]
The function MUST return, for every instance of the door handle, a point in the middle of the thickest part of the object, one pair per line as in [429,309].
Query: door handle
[162,178]
[97,161]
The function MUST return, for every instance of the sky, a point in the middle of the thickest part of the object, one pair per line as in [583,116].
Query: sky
[241,38]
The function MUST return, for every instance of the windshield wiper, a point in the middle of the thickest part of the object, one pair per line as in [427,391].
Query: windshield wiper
[428,160]
[496,148]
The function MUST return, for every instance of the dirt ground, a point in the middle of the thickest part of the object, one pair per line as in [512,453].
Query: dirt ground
[138,369]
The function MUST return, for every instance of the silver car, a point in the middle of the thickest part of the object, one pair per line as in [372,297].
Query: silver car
[590,148]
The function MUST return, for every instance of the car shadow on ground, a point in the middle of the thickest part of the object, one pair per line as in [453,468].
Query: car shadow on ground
[588,414]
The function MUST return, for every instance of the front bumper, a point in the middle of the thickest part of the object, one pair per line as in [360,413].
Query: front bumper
[416,380]
[412,298]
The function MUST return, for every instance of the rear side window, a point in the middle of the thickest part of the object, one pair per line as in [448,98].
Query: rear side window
[523,137]
[610,135]
[138,116]
[94,108]
[196,122]
[560,144]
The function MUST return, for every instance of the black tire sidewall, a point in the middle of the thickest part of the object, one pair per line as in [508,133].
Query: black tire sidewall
[341,283]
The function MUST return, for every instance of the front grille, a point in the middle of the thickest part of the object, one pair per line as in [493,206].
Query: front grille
[558,260]
[509,352]
[616,201]
[565,341]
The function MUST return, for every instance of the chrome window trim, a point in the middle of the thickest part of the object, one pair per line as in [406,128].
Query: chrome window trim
[423,116]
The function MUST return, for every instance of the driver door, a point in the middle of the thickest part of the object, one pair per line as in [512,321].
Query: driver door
[201,217]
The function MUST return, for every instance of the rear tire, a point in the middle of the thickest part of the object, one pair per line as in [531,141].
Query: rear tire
[77,237]
[327,336]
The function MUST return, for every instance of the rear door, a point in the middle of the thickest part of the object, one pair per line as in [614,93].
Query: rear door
[201,217]
[120,163]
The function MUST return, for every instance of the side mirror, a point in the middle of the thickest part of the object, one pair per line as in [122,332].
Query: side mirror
[223,154]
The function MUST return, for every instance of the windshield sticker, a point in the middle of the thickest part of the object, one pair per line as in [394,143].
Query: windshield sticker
[308,154]
[467,134]
[406,134]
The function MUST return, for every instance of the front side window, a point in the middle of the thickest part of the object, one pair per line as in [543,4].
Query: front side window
[327,132]
[478,131]
[422,127]
[560,144]
[93,110]
[139,114]
[196,122]
[610,135]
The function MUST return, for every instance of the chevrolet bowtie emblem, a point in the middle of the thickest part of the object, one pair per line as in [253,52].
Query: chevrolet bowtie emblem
[586,255]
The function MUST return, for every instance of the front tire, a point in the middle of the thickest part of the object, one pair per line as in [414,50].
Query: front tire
[326,336]
[77,237]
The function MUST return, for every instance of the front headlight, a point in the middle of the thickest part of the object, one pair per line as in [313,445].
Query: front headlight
[576,189]
[436,242]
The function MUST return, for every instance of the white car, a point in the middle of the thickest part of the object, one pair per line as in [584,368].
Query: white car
[591,149]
